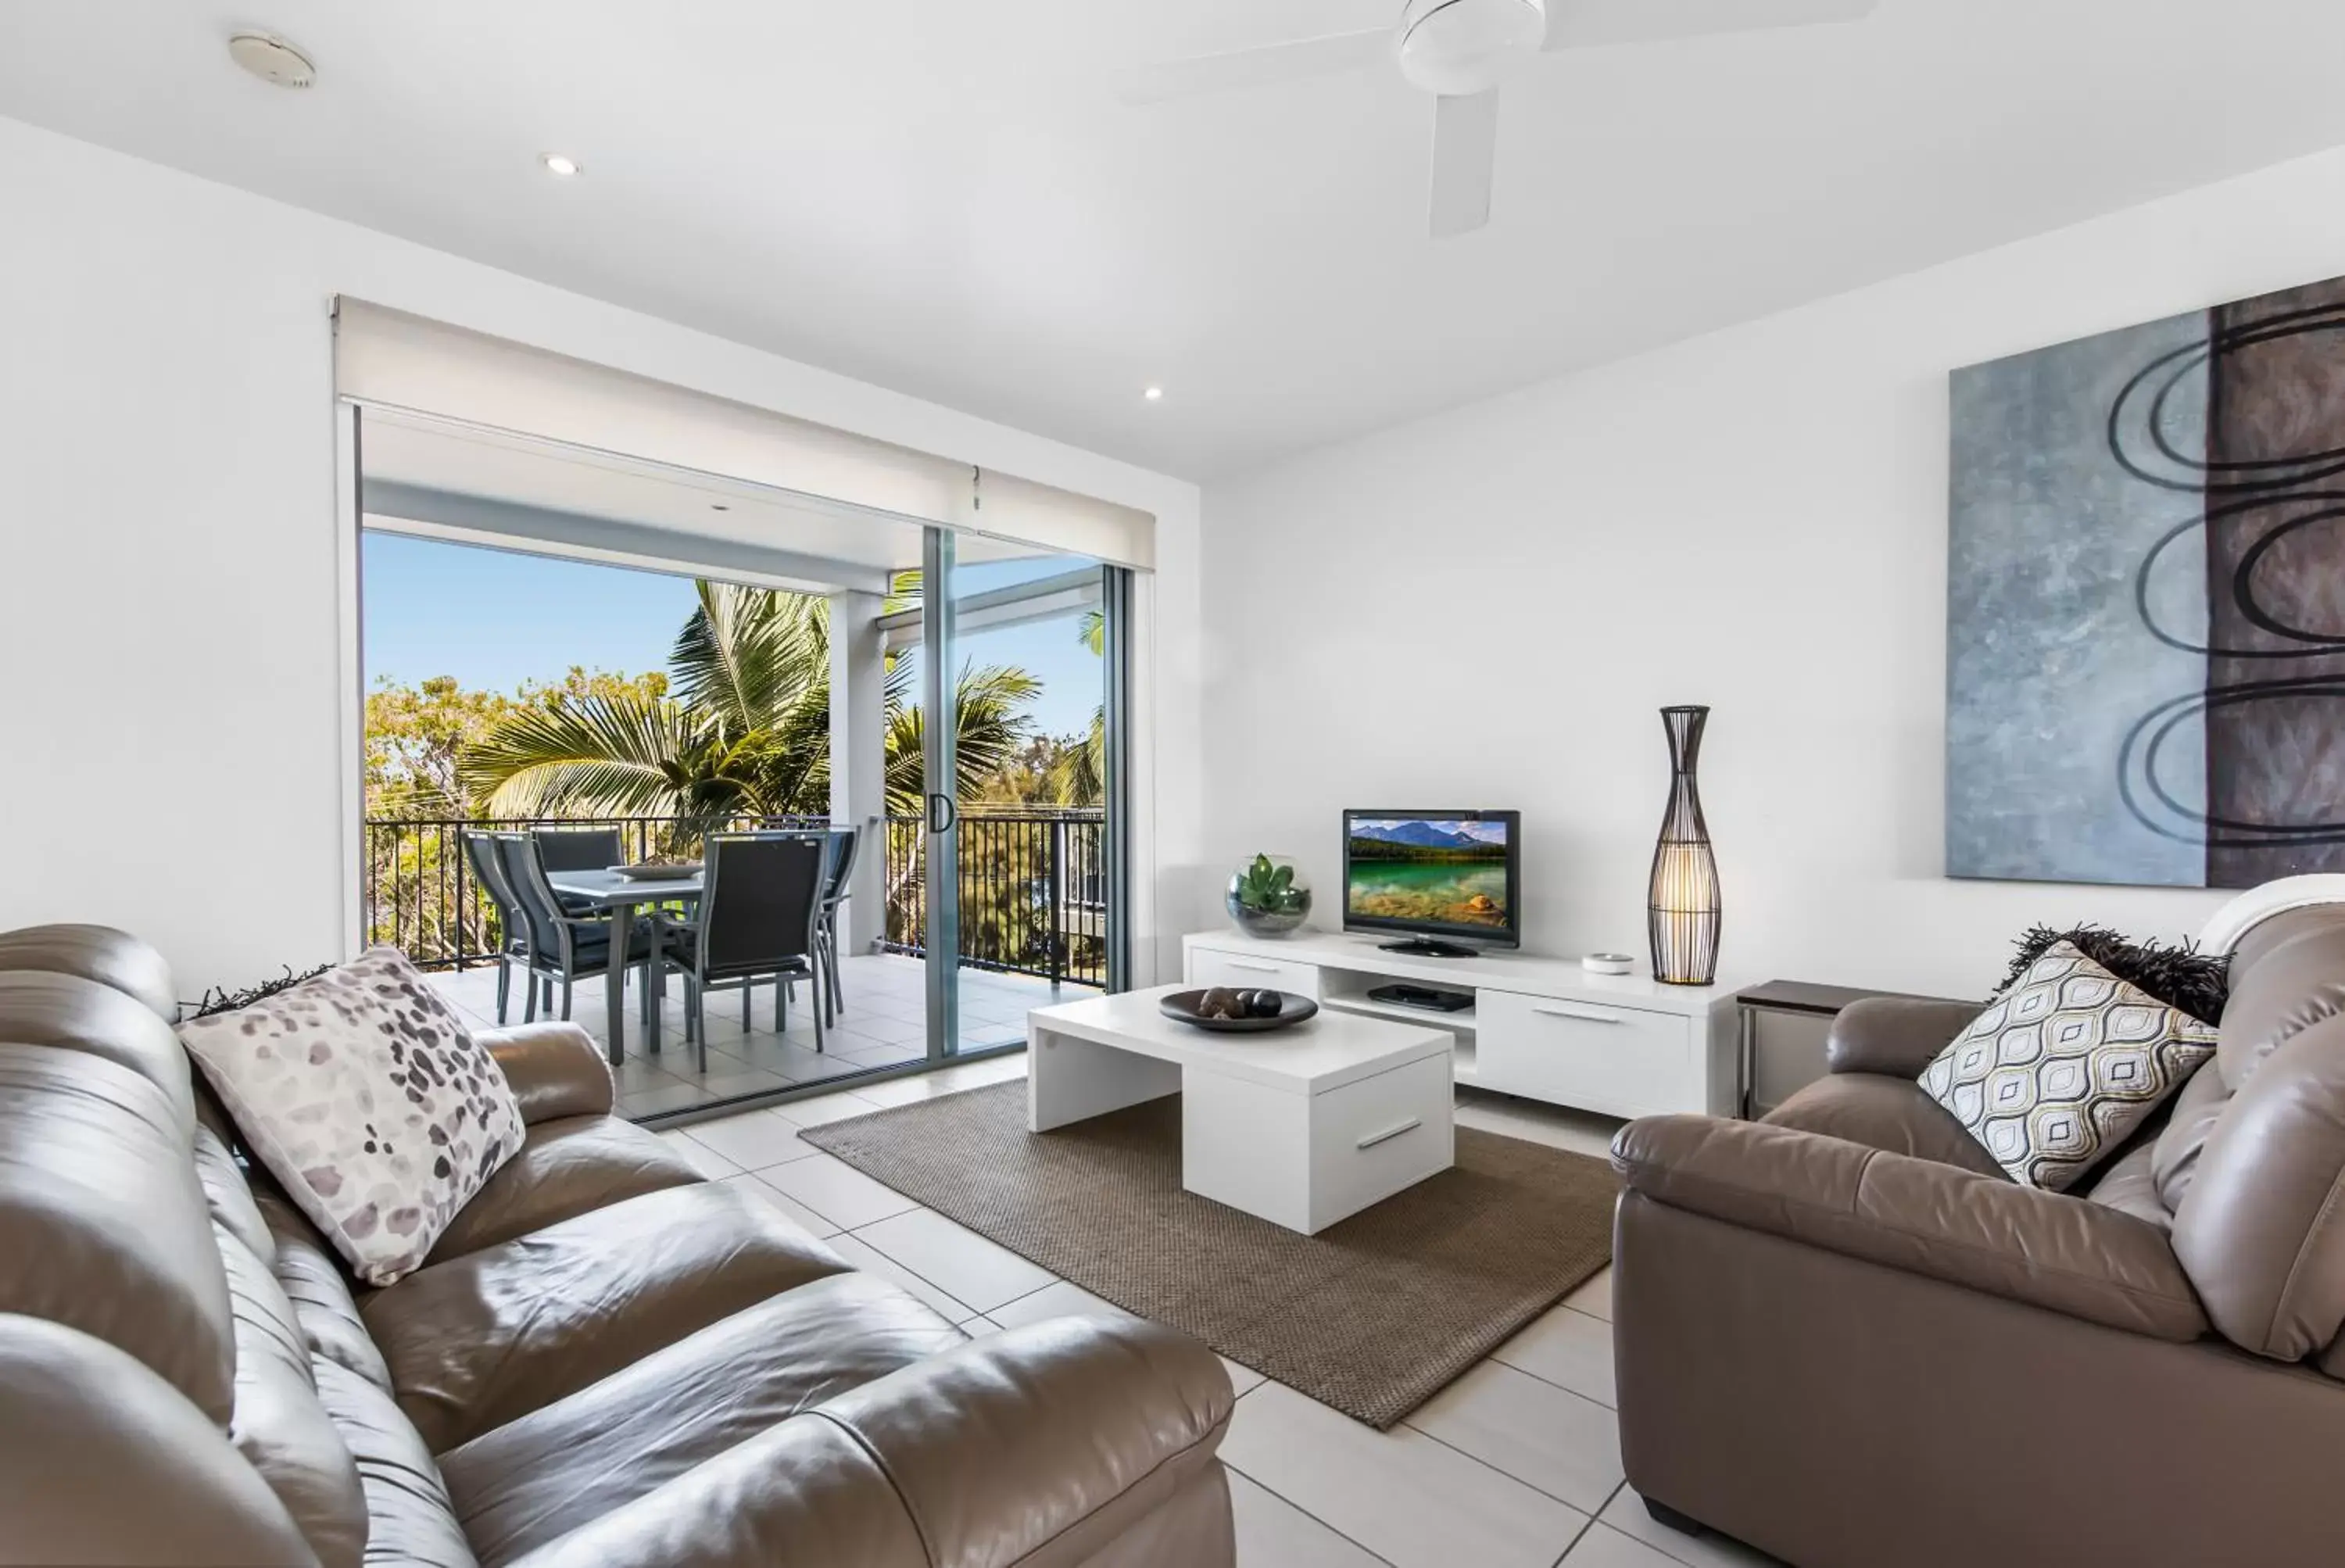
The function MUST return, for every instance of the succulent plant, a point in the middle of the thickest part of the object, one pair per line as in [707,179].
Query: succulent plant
[1270,889]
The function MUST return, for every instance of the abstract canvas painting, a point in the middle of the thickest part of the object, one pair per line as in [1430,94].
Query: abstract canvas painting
[2146,602]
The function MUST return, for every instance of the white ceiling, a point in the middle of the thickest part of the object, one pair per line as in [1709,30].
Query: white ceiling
[946,196]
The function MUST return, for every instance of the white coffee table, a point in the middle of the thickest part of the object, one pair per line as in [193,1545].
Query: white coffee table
[1300,1127]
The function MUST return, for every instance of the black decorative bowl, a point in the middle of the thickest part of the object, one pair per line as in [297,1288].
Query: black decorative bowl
[1182,1006]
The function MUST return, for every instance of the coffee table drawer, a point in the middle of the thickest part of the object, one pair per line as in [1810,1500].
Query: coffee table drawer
[1371,1138]
[1599,1057]
[1246,971]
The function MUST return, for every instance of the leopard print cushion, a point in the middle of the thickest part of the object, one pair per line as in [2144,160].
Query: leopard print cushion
[371,1102]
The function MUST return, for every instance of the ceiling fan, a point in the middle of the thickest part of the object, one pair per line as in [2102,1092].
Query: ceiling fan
[1461,50]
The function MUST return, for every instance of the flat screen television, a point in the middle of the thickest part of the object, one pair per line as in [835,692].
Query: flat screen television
[1446,882]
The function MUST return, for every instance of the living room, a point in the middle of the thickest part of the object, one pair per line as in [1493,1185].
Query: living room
[1745,360]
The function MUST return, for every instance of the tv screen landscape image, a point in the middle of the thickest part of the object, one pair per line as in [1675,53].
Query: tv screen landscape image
[1430,874]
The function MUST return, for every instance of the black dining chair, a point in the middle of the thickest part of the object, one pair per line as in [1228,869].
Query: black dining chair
[578,850]
[563,947]
[828,837]
[843,846]
[760,901]
[512,926]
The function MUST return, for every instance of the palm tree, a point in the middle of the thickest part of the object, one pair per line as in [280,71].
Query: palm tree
[988,704]
[746,735]
[1078,774]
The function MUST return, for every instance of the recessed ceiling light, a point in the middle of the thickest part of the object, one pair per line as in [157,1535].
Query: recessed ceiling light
[273,60]
[558,165]
[1155,394]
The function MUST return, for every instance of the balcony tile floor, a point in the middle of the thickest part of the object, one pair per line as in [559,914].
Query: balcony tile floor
[1515,1465]
[885,1026]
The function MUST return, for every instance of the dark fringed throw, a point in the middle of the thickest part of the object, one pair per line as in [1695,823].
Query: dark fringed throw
[218,1001]
[2197,982]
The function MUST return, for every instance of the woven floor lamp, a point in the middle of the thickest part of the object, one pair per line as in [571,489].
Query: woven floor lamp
[1681,911]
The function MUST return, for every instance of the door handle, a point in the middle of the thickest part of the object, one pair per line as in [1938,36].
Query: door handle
[1372,1139]
[1584,1014]
[1256,968]
[942,814]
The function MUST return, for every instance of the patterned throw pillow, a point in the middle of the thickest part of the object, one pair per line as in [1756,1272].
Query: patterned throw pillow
[2062,1065]
[368,1101]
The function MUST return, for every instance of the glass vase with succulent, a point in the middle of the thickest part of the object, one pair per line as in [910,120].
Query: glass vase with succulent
[1268,896]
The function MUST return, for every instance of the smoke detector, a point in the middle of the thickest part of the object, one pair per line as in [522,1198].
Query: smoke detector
[273,60]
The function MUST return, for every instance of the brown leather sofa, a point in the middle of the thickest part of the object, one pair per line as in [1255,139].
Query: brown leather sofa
[1844,1337]
[607,1361]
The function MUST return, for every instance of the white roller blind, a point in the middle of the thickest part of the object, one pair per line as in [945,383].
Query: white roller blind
[394,360]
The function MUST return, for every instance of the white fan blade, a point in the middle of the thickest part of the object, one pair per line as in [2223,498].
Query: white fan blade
[1326,57]
[1465,152]
[1580,24]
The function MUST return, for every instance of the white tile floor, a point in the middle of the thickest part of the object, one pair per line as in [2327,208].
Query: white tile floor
[1514,1465]
[885,1024]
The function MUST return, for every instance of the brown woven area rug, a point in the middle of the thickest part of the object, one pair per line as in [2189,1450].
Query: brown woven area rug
[1373,1316]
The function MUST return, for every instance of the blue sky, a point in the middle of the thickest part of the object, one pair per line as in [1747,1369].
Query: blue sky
[495,619]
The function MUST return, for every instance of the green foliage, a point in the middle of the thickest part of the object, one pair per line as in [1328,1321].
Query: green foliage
[738,726]
[1035,775]
[416,735]
[990,704]
[747,733]
[1078,774]
[1269,889]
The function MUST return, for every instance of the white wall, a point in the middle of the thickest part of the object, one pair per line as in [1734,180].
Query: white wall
[170,702]
[1486,607]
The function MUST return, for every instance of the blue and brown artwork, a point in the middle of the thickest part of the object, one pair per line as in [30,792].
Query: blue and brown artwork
[2146,602]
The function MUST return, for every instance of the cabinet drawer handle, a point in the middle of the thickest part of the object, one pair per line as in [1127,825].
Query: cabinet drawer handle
[1372,1139]
[1257,968]
[1585,1016]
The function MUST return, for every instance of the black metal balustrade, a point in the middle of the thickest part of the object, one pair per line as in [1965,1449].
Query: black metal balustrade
[1033,891]
[423,897]
[1034,896]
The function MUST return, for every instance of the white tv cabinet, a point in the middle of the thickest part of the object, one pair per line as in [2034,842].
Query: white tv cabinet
[1542,1028]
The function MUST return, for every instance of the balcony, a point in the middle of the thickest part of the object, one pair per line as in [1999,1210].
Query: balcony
[885,1026]
[1032,931]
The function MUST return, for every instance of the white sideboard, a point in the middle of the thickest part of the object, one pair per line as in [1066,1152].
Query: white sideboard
[1543,1028]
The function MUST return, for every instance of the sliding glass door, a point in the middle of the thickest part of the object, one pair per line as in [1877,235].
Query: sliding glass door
[939,802]
[1021,827]
[951,705]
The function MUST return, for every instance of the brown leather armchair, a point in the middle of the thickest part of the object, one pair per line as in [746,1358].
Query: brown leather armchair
[1844,1336]
[606,1360]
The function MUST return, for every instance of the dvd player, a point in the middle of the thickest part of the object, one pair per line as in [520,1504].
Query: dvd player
[1424,996]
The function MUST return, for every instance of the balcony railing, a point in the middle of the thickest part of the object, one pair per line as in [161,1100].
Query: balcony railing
[1033,891]
[1033,886]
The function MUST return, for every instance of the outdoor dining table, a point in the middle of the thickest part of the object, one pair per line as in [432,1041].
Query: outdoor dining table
[621,897]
